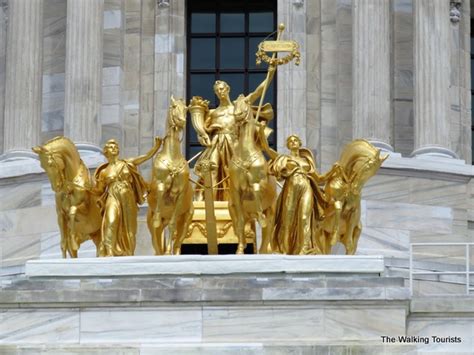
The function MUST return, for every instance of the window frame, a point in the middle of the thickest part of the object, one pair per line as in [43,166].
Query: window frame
[218,7]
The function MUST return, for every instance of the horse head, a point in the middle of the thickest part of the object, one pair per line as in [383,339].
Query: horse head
[177,114]
[242,109]
[61,161]
[361,160]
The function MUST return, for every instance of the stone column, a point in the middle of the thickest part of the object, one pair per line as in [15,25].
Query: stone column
[291,97]
[371,72]
[83,82]
[169,61]
[432,70]
[3,57]
[23,85]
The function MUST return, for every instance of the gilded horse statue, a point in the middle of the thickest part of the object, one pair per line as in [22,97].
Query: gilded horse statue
[252,190]
[170,197]
[78,213]
[359,161]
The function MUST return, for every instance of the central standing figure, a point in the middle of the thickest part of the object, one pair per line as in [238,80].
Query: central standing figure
[217,131]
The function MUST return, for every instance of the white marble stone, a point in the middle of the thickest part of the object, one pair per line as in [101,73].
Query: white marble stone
[430,164]
[205,264]
[39,326]
[462,327]
[244,324]
[167,324]
[112,19]
[404,216]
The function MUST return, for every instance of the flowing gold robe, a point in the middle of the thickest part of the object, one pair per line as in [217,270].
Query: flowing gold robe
[299,205]
[125,189]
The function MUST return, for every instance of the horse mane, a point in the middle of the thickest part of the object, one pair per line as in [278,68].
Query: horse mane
[169,118]
[357,150]
[63,148]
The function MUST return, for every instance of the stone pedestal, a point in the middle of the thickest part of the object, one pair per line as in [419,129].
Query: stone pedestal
[192,303]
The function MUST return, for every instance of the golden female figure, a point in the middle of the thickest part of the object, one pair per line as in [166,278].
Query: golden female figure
[299,203]
[122,189]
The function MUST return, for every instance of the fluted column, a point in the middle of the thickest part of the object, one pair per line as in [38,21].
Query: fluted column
[84,43]
[23,87]
[432,70]
[371,72]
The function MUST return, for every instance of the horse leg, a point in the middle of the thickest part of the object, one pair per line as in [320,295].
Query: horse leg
[96,239]
[355,238]
[183,226]
[157,219]
[350,235]
[238,220]
[64,232]
[268,230]
[258,203]
[63,227]
[337,221]
[172,230]
[157,239]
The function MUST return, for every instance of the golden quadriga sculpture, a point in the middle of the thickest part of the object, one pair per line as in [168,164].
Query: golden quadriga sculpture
[312,213]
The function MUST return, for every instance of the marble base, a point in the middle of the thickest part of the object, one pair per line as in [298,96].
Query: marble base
[268,306]
[210,348]
[205,265]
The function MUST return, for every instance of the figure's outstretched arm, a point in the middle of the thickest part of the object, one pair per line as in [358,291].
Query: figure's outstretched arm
[263,140]
[335,170]
[253,96]
[143,158]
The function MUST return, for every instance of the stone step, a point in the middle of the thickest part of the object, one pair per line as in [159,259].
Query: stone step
[219,348]
[260,264]
[211,282]
[104,297]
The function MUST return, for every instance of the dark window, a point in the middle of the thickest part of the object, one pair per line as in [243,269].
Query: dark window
[222,39]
